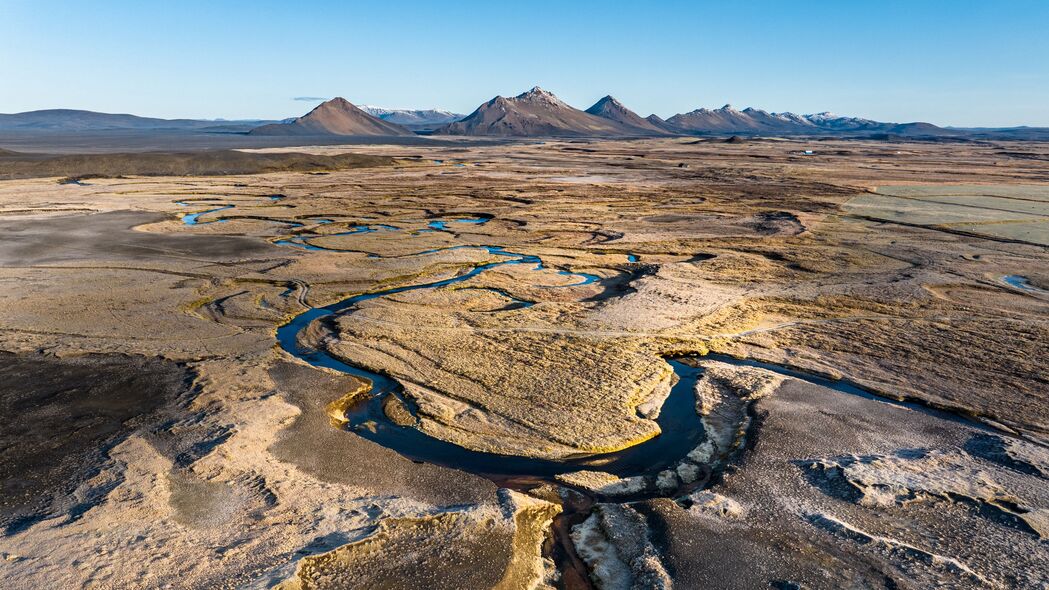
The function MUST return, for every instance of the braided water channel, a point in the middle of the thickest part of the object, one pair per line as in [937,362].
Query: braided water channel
[681,429]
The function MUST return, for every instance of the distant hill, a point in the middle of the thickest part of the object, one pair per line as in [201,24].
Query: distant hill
[613,110]
[72,120]
[412,117]
[536,113]
[334,117]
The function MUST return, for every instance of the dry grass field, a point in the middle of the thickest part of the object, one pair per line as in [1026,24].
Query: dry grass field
[457,366]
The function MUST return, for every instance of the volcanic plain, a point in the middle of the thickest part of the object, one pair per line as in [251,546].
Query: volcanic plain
[609,364]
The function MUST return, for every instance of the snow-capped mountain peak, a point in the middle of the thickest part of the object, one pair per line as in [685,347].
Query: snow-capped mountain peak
[412,116]
[537,94]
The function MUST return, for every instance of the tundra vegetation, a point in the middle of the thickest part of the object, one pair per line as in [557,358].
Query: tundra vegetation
[846,348]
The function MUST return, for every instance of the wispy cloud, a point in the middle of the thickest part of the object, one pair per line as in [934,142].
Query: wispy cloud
[310,98]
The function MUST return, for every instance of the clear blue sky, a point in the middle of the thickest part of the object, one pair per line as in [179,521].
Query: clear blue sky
[955,62]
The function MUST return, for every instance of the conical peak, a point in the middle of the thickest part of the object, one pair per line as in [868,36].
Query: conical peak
[338,101]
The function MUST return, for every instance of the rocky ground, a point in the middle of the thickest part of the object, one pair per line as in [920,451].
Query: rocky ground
[162,438]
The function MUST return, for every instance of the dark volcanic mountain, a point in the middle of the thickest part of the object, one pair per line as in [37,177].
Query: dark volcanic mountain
[536,113]
[334,117]
[72,120]
[613,110]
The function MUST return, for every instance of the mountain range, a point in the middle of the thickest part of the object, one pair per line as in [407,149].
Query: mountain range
[535,113]
[728,119]
[540,113]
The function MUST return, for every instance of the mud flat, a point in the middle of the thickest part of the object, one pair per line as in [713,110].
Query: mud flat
[646,363]
[1002,212]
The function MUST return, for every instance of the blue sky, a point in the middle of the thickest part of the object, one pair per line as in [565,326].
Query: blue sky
[948,62]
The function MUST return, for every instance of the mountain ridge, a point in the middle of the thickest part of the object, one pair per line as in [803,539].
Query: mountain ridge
[538,113]
[752,121]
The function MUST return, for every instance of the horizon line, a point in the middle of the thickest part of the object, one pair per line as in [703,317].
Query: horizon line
[321,100]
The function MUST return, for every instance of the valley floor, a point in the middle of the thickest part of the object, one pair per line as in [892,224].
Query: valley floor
[613,364]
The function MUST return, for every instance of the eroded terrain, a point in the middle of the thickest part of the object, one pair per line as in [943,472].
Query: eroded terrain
[522,366]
